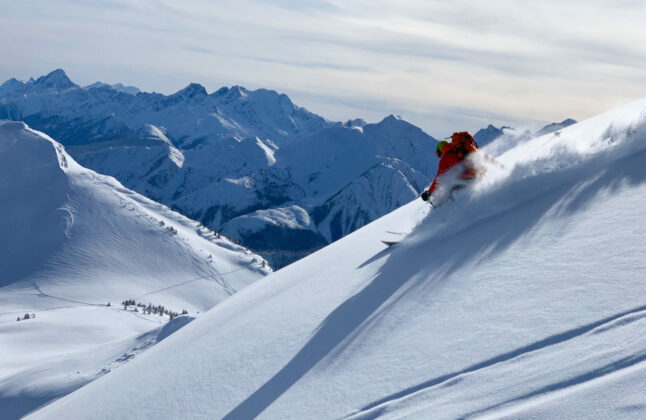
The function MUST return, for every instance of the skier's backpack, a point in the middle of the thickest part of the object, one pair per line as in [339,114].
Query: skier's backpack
[463,143]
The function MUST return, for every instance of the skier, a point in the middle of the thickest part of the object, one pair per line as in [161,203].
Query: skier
[453,156]
[458,168]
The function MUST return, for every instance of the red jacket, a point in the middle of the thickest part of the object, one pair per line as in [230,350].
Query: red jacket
[450,158]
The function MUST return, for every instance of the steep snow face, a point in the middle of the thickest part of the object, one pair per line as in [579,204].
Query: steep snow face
[522,298]
[34,218]
[223,156]
[74,240]
[310,160]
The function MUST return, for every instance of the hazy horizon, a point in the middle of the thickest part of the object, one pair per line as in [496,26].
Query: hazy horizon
[442,66]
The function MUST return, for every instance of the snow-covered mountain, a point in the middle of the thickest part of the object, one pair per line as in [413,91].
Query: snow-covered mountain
[235,159]
[189,116]
[524,298]
[74,241]
[550,128]
[119,87]
[486,136]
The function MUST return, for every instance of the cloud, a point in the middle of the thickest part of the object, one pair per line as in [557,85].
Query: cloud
[443,65]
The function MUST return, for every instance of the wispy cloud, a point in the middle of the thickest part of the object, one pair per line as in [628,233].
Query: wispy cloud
[443,65]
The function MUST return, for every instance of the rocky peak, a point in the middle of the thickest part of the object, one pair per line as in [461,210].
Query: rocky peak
[191,91]
[57,79]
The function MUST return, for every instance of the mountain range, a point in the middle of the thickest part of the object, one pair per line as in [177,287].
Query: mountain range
[250,164]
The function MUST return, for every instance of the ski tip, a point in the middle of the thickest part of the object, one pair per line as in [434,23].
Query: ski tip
[390,243]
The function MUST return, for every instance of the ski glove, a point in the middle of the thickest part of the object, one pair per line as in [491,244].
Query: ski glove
[425,195]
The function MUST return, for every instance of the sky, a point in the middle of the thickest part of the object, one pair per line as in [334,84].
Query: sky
[444,66]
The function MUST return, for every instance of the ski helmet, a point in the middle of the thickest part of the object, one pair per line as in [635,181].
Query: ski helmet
[440,147]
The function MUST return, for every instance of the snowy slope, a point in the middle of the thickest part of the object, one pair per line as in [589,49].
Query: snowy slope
[85,228]
[74,240]
[525,297]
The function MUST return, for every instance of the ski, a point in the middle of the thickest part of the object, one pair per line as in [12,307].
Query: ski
[390,243]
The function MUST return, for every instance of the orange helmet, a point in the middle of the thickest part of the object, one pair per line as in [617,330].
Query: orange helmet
[462,137]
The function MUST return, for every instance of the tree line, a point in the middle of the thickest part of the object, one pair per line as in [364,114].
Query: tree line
[151,309]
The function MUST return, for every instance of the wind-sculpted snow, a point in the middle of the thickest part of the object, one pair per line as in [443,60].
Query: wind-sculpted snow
[521,298]
[74,241]
[225,155]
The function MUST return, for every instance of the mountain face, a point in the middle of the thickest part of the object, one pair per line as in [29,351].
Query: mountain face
[235,159]
[486,135]
[74,241]
[550,128]
[523,298]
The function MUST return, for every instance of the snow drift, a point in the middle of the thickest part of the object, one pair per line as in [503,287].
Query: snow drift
[523,298]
